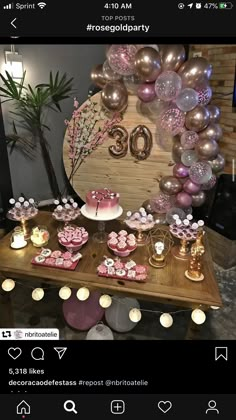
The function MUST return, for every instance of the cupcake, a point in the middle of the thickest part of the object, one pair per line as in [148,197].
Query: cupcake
[122,246]
[77,241]
[131,245]
[123,233]
[112,243]
[85,236]
[112,235]
[131,236]
[64,242]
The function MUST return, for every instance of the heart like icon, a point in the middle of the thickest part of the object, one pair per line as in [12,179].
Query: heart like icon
[164,406]
[14,353]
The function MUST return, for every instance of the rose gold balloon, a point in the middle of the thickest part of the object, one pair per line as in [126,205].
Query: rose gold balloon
[207,149]
[148,64]
[214,113]
[198,199]
[114,97]
[97,76]
[217,164]
[177,151]
[194,71]
[172,56]
[197,119]
[213,131]
[170,185]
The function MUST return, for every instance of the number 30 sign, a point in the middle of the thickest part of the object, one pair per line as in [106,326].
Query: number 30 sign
[120,149]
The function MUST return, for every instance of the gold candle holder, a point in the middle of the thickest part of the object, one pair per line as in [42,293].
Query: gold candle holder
[160,245]
[195,264]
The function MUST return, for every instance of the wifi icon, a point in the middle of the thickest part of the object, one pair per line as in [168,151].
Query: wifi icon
[42,5]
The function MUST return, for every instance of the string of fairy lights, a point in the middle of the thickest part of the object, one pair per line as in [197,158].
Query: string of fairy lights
[198,316]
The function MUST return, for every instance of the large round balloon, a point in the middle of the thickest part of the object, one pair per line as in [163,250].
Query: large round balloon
[213,131]
[194,71]
[189,157]
[187,99]
[117,315]
[190,187]
[214,113]
[198,199]
[132,83]
[207,149]
[204,95]
[189,140]
[83,315]
[177,150]
[172,120]
[184,199]
[147,64]
[200,172]
[170,185]
[100,332]
[168,85]
[156,107]
[217,164]
[114,96]
[180,170]
[210,184]
[108,73]
[121,58]
[172,56]
[146,92]
[97,76]
[172,212]
[162,203]
[197,119]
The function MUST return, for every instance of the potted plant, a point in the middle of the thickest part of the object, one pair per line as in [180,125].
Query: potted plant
[31,105]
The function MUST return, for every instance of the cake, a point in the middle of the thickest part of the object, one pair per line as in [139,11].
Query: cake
[102,203]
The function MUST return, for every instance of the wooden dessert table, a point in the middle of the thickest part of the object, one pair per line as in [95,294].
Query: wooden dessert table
[166,285]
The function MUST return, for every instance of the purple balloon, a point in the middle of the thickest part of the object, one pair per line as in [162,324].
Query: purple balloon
[82,315]
[183,199]
[190,187]
[180,170]
[146,92]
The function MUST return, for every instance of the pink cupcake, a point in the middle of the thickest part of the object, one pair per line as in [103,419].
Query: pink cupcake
[122,246]
[131,236]
[131,245]
[112,235]
[64,241]
[112,243]
[123,233]
[77,241]
[85,236]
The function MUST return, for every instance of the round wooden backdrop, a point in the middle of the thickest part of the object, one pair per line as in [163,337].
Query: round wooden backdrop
[136,181]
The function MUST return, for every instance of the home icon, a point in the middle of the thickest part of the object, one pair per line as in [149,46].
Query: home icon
[23,408]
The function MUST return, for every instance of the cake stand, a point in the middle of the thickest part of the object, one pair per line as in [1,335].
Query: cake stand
[101,235]
[23,221]
[141,236]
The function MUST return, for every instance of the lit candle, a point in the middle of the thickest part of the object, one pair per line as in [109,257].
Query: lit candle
[18,239]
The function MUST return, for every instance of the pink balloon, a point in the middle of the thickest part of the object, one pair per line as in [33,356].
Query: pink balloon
[180,170]
[162,203]
[183,199]
[172,120]
[190,187]
[82,315]
[204,95]
[146,92]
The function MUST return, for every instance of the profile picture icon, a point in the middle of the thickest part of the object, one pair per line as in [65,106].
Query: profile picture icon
[212,407]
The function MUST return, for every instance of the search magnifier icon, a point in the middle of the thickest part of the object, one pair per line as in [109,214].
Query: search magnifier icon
[69,406]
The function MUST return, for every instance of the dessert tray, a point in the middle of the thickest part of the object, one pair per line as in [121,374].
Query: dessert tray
[123,270]
[56,259]
[121,243]
[72,237]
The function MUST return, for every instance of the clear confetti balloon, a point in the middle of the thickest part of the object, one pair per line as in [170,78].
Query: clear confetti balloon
[189,157]
[189,139]
[121,58]
[172,120]
[162,203]
[204,95]
[187,99]
[210,184]
[200,172]
[172,212]
[168,85]
[132,83]
[108,73]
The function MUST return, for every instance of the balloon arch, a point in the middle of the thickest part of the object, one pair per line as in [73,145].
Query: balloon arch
[178,94]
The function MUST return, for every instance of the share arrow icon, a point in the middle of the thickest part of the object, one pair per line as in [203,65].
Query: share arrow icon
[60,351]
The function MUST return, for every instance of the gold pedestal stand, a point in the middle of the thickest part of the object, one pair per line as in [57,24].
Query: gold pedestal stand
[26,229]
[181,251]
[157,261]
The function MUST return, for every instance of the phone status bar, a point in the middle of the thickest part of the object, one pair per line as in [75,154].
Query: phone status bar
[206,6]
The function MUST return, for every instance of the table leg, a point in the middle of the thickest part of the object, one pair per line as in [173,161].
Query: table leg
[6,310]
